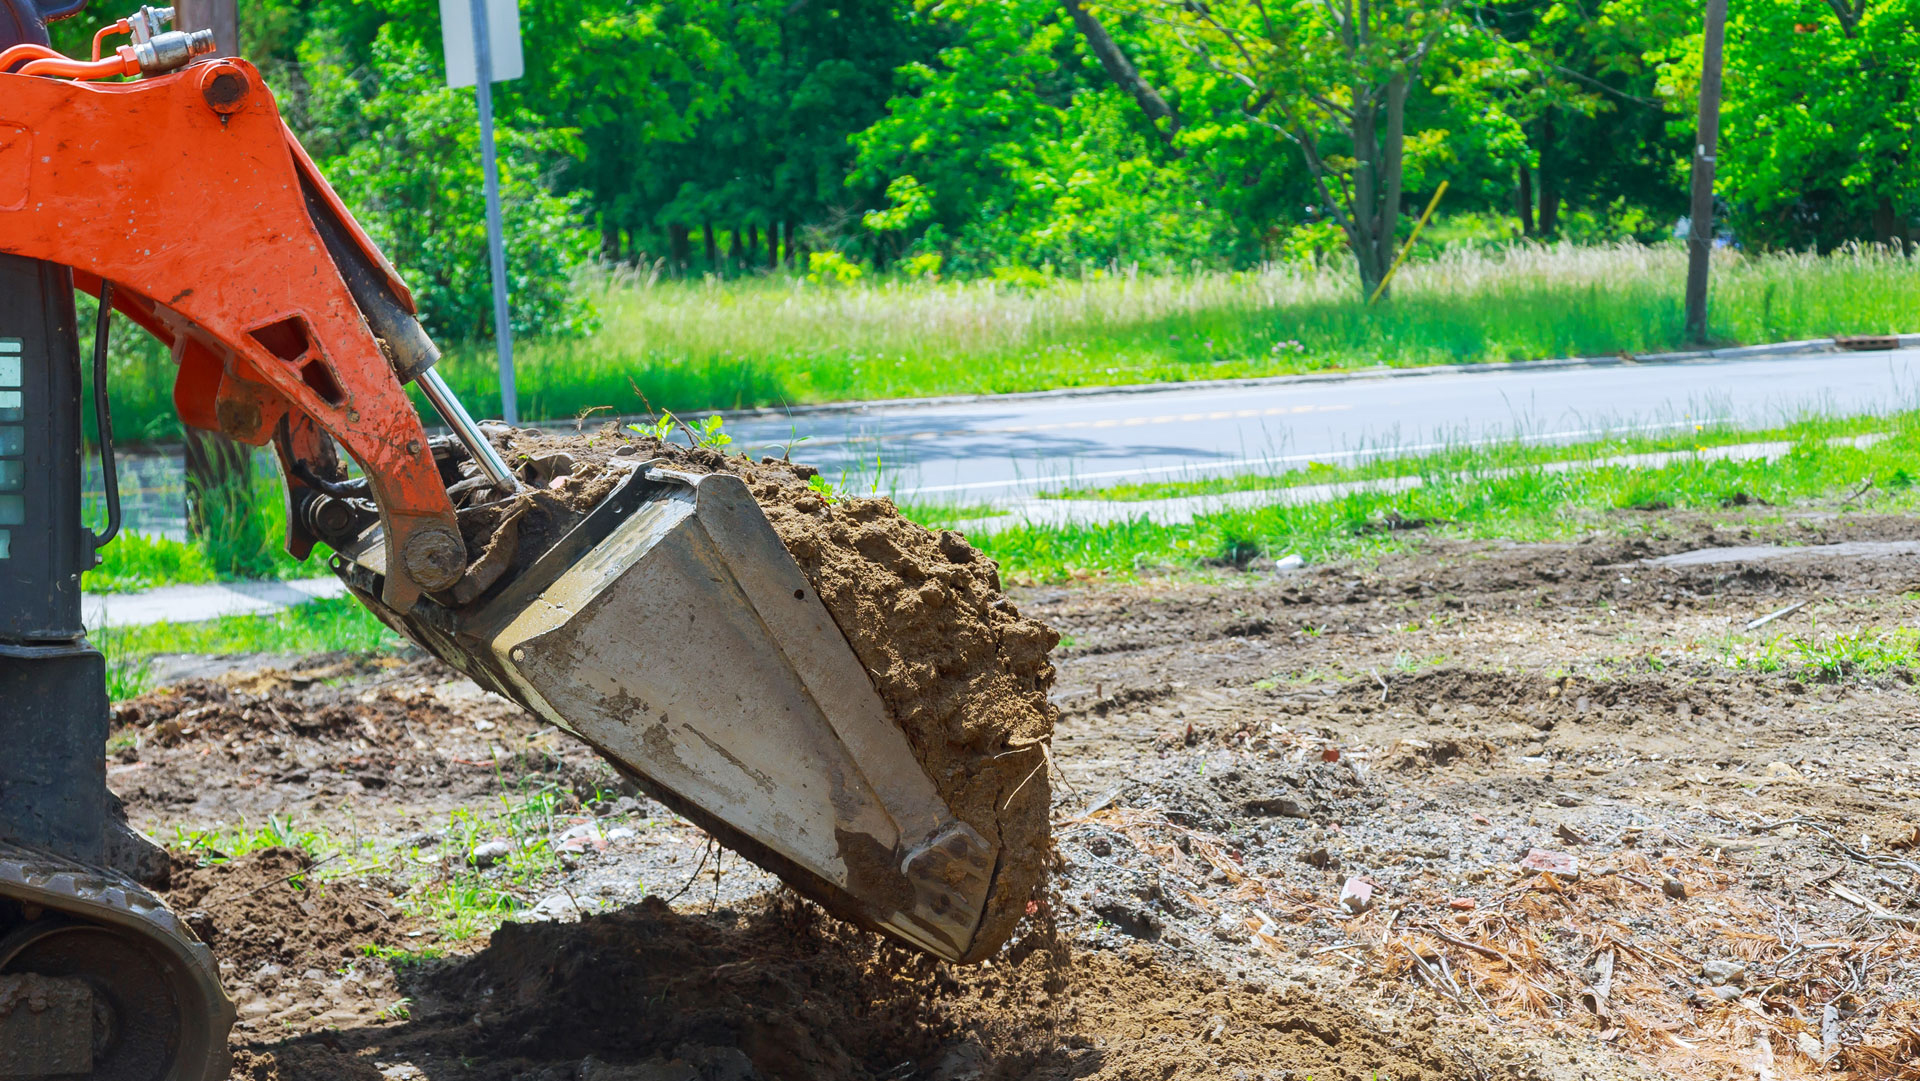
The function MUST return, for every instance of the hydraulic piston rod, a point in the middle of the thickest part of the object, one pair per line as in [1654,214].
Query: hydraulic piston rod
[455,414]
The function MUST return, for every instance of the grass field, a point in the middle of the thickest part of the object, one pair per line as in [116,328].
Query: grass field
[1468,498]
[1507,491]
[1382,463]
[692,345]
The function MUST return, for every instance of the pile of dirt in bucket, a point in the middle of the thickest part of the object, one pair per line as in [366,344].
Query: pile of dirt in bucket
[778,993]
[961,671]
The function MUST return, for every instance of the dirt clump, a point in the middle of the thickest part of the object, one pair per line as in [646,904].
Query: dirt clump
[960,670]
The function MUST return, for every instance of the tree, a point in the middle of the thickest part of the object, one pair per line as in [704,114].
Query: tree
[1333,77]
[1819,120]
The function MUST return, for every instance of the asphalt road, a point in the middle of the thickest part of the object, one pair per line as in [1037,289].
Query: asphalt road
[976,451]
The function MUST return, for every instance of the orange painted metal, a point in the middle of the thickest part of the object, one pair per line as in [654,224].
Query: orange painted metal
[197,217]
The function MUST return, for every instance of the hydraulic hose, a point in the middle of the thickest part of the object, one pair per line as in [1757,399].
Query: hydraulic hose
[103,416]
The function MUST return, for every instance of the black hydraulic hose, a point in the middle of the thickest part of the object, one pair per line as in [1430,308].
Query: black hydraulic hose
[103,415]
[348,489]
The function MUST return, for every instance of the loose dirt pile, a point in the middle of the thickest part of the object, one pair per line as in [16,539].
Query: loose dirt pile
[242,748]
[779,993]
[293,950]
[961,671]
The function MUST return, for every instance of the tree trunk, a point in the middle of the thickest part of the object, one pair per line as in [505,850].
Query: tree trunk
[1123,73]
[792,259]
[1889,225]
[609,240]
[1549,183]
[1524,200]
[220,16]
[713,249]
[734,257]
[680,247]
[751,258]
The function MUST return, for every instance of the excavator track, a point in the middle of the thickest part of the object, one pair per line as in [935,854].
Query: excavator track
[148,990]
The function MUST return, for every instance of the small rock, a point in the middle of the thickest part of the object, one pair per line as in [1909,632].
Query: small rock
[1284,806]
[621,833]
[1724,994]
[583,837]
[1567,799]
[1292,561]
[1317,856]
[557,907]
[1463,904]
[1101,847]
[1545,861]
[486,855]
[1673,888]
[1356,895]
[1722,973]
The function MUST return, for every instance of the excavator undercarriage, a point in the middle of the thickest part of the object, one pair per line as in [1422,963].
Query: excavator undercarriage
[669,629]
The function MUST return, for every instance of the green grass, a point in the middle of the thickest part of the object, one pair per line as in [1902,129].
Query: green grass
[255,550]
[317,627]
[1382,463]
[1527,503]
[135,561]
[771,341]
[227,842]
[1828,658]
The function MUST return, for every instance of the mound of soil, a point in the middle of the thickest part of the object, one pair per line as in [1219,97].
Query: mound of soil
[961,671]
[781,994]
[292,949]
[240,909]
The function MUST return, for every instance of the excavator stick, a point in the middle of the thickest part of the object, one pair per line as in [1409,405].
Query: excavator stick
[668,628]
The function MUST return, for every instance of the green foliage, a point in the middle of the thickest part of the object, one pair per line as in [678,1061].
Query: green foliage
[403,151]
[222,843]
[135,561]
[1819,130]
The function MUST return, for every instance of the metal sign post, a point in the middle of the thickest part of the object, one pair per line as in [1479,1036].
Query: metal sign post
[494,35]
[1706,139]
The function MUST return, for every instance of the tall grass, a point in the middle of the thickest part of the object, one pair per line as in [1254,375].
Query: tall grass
[782,340]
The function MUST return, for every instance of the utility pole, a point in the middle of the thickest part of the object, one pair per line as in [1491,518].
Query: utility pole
[481,40]
[1706,140]
[496,243]
[219,470]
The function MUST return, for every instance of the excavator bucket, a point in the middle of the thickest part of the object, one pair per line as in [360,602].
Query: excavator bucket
[672,632]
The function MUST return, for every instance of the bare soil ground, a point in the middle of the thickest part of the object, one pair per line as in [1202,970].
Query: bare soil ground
[1483,811]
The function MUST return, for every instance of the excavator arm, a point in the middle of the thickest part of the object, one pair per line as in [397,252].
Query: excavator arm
[187,192]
